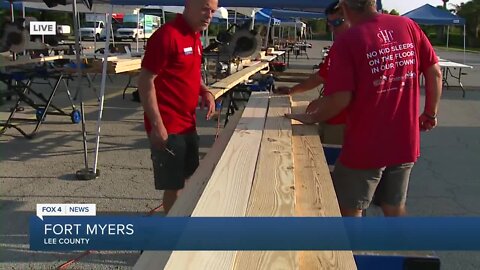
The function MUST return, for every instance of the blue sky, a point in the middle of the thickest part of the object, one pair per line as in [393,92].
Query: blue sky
[403,6]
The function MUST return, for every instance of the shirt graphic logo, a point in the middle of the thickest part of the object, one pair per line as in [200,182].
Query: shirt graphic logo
[188,50]
[385,36]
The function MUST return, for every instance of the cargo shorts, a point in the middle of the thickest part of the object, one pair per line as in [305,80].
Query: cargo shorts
[356,189]
[173,165]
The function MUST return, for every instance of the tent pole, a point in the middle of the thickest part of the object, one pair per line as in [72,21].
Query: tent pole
[94,36]
[12,19]
[464,43]
[268,32]
[295,34]
[448,34]
[102,88]
[253,19]
[138,30]
[163,15]
[85,173]
[235,21]
[23,15]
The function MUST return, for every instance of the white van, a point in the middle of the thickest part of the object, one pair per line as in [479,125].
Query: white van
[91,30]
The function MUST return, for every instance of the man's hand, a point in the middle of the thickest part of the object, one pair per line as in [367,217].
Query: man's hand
[302,117]
[158,137]
[427,122]
[208,101]
[313,106]
[282,90]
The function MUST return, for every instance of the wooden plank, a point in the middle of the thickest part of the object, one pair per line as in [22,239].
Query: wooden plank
[315,193]
[239,76]
[33,61]
[217,92]
[268,58]
[228,190]
[273,193]
[190,195]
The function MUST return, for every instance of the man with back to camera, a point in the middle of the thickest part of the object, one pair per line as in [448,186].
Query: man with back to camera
[169,85]
[331,131]
[375,76]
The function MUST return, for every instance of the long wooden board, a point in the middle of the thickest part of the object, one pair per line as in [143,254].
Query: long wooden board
[218,92]
[228,190]
[185,204]
[315,193]
[239,76]
[8,63]
[273,193]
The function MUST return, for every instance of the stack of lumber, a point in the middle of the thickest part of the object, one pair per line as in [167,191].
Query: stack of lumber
[120,65]
[221,87]
[269,166]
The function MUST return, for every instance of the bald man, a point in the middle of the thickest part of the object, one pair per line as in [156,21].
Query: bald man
[169,86]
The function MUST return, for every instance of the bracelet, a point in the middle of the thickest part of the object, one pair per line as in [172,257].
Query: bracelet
[431,117]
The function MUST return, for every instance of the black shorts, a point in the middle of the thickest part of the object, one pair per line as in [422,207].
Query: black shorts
[177,162]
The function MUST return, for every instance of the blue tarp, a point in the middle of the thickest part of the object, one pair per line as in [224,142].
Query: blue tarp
[428,14]
[6,5]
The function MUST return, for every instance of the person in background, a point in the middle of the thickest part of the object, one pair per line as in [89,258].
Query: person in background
[375,75]
[331,130]
[169,86]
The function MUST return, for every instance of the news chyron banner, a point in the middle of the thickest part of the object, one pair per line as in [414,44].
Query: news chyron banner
[66,227]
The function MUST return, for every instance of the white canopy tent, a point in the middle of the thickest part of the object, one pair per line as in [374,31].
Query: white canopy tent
[98,7]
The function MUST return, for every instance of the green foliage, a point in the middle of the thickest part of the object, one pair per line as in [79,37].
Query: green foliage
[317,26]
[394,12]
[470,11]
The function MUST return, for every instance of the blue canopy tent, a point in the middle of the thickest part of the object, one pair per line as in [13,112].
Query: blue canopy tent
[430,15]
[6,5]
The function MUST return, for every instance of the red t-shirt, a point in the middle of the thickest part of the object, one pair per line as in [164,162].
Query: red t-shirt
[174,53]
[380,61]
[340,118]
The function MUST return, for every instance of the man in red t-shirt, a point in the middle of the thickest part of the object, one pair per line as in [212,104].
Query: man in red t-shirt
[331,131]
[375,75]
[169,86]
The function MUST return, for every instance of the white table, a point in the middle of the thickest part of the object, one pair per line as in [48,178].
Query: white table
[453,70]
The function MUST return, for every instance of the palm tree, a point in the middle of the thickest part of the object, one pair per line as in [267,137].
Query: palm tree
[445,3]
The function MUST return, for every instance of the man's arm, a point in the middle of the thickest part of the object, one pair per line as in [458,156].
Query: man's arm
[148,98]
[311,82]
[207,99]
[433,89]
[328,107]
[433,92]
